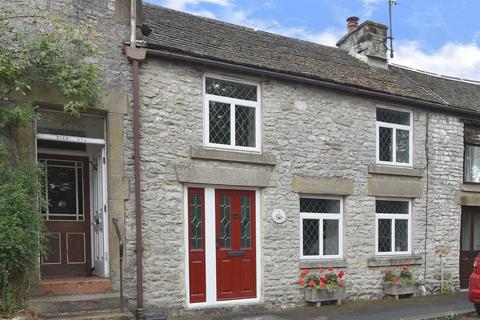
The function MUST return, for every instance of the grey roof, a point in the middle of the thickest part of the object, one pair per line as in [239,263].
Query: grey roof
[207,38]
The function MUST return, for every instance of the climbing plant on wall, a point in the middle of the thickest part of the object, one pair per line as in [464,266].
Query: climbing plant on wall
[36,46]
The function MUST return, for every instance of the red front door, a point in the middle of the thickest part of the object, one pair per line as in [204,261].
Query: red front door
[235,242]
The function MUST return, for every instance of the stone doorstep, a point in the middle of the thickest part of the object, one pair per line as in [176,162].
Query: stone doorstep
[113,314]
[70,286]
[74,304]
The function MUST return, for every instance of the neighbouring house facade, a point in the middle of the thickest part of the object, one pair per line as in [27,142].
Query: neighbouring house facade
[261,156]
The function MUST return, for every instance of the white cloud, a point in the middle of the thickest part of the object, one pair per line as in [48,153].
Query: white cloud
[183,4]
[452,59]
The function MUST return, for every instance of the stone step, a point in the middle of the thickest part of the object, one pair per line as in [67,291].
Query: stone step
[74,285]
[114,314]
[74,303]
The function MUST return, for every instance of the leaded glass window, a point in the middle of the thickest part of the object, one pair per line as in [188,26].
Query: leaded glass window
[321,221]
[393,224]
[232,115]
[246,222]
[225,222]
[196,221]
[394,136]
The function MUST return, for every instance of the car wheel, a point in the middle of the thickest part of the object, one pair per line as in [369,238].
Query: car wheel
[477,307]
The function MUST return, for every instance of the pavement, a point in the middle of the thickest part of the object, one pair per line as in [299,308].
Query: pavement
[418,308]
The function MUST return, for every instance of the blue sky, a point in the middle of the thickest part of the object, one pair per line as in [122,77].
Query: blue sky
[441,36]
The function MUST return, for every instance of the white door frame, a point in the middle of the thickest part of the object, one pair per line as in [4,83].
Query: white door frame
[210,248]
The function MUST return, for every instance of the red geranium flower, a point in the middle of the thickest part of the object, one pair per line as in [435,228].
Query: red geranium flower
[323,284]
[311,283]
[301,282]
[394,280]
[323,279]
[341,283]
[304,272]
[340,274]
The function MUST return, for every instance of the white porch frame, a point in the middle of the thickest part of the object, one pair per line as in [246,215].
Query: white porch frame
[210,249]
[94,141]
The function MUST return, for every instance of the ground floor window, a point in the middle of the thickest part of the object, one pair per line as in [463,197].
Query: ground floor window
[321,227]
[393,225]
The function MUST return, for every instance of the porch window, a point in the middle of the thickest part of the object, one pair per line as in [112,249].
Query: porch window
[63,183]
[321,227]
[393,225]
[232,114]
[472,155]
[394,137]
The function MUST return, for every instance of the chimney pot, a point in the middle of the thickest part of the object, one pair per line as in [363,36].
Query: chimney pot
[352,24]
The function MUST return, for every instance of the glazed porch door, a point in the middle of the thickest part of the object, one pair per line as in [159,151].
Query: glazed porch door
[470,242]
[235,244]
[100,217]
[67,217]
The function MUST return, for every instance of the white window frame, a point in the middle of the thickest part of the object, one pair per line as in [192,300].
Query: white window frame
[232,102]
[321,217]
[394,126]
[394,217]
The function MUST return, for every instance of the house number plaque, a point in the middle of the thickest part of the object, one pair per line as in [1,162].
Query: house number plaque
[279,216]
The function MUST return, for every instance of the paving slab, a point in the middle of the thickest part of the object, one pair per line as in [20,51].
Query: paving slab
[419,308]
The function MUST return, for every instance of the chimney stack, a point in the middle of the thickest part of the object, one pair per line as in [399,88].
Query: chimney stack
[366,41]
[352,24]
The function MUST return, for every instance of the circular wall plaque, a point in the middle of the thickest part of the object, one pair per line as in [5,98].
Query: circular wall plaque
[279,216]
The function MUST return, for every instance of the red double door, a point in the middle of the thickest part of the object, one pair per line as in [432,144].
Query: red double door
[234,242]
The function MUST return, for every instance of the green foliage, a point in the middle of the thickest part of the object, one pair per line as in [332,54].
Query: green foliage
[402,276]
[36,46]
[21,229]
[445,288]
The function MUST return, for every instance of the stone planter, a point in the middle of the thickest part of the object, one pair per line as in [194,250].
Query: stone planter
[319,295]
[398,289]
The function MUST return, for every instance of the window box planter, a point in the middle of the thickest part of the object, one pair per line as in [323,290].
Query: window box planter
[319,295]
[400,289]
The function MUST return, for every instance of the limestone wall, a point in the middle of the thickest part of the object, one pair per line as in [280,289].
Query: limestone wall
[313,133]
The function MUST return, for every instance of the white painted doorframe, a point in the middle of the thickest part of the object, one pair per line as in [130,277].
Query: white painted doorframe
[210,248]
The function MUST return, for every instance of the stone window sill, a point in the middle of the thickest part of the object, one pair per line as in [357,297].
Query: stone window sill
[232,156]
[323,263]
[395,171]
[471,187]
[392,261]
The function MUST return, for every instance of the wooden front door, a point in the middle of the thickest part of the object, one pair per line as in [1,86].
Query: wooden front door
[470,242]
[235,244]
[67,216]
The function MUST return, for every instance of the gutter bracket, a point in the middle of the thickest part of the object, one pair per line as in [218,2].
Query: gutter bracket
[136,53]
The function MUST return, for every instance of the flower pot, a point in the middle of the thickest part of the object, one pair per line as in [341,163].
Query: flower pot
[319,295]
[400,289]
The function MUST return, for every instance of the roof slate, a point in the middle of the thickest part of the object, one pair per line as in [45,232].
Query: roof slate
[203,37]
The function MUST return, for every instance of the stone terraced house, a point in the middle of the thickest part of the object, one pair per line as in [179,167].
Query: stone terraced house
[257,156]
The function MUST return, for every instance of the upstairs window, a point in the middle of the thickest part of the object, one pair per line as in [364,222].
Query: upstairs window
[471,165]
[394,137]
[232,114]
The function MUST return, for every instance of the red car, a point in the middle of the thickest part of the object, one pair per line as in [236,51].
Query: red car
[474,285]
